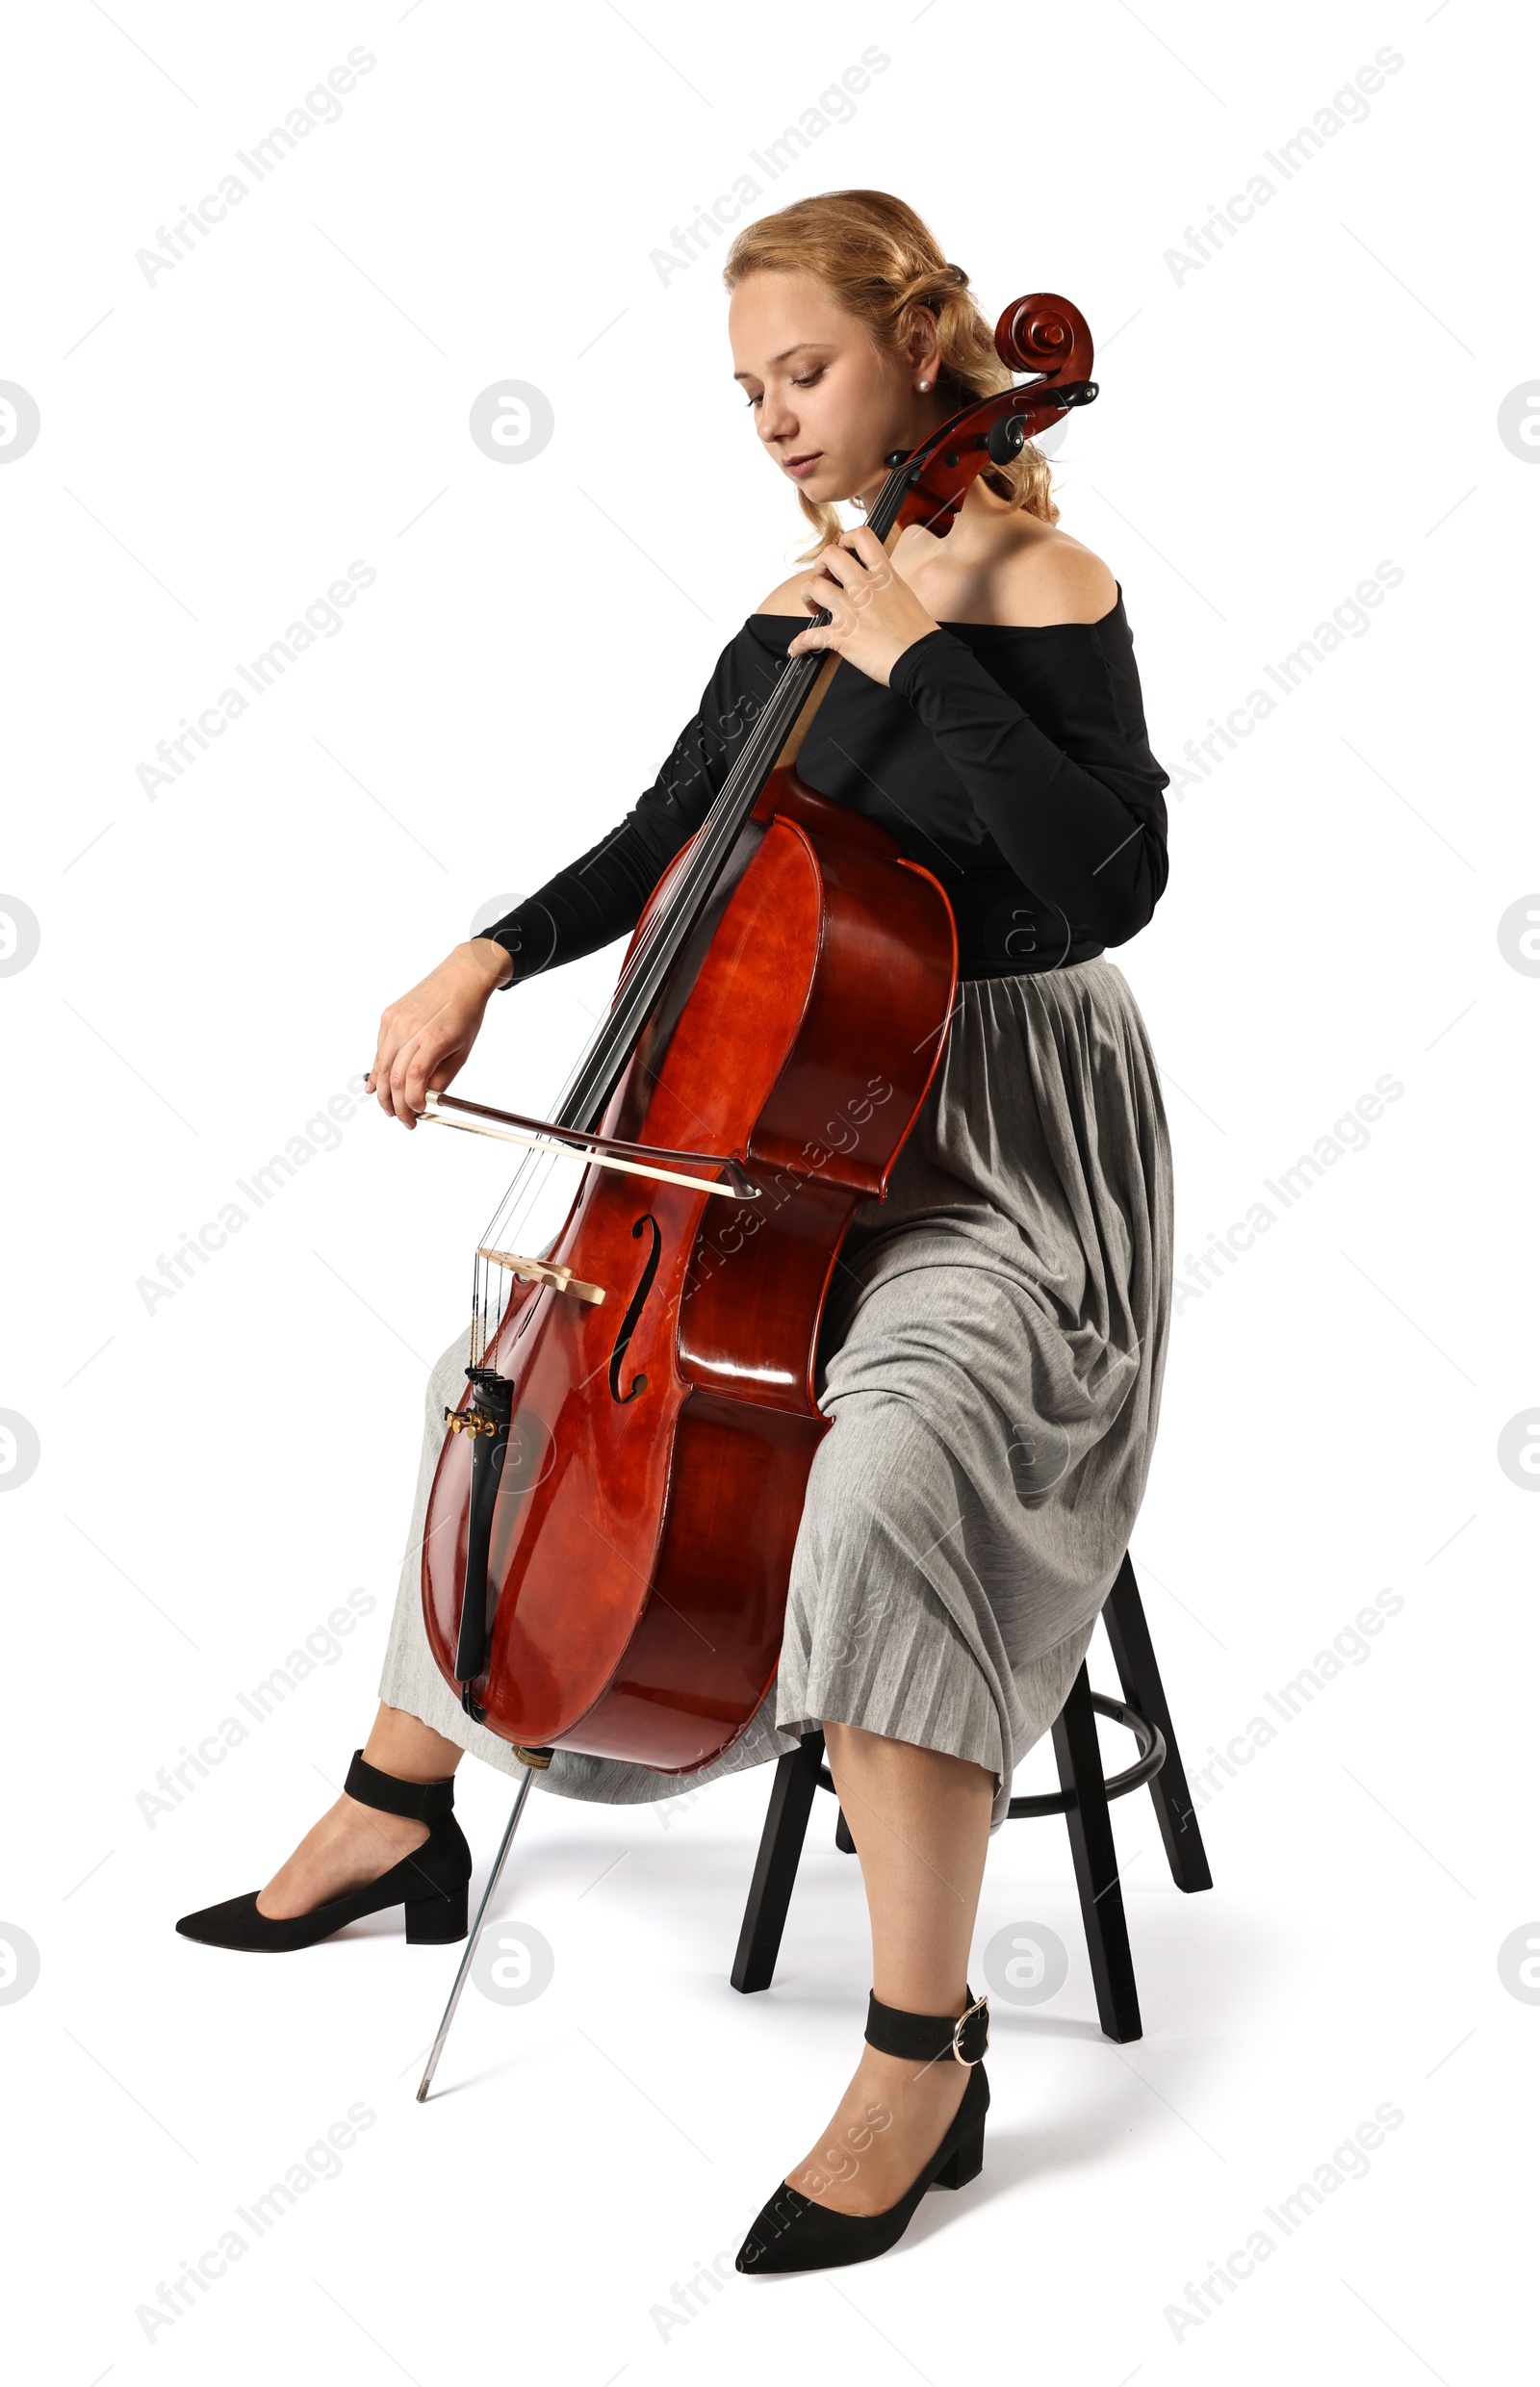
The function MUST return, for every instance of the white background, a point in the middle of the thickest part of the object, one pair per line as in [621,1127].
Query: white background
[218,1473]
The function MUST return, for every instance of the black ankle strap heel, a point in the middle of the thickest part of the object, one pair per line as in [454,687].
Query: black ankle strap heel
[427,1801]
[429,1885]
[794,2233]
[926,2038]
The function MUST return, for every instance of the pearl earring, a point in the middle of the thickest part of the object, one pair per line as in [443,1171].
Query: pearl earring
[925,385]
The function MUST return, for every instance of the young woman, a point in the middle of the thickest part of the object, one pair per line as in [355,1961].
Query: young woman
[993,1356]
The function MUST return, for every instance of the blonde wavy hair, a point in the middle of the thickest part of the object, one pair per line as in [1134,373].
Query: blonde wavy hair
[880,261]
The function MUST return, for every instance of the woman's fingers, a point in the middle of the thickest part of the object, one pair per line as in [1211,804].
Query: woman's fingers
[393,1031]
[428,1062]
[855,561]
[836,564]
[425,1037]
[425,1063]
[822,594]
[408,1051]
[410,1071]
[866,547]
[446,1069]
[395,1088]
[821,590]
[840,586]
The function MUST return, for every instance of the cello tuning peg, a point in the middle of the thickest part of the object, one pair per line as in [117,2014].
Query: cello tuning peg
[1005,439]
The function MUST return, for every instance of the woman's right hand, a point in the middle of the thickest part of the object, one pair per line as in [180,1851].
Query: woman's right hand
[425,1036]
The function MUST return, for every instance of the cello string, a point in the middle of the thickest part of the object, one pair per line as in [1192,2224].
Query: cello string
[718,830]
[770,731]
[776,716]
[726,816]
[722,822]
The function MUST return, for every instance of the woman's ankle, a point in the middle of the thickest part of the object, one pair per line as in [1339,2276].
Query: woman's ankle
[351,1844]
[403,1745]
[353,1819]
[918,1995]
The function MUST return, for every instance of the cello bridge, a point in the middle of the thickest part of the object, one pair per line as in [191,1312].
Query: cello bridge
[542,1273]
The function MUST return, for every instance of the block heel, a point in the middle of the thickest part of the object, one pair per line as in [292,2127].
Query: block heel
[964,2163]
[793,2232]
[431,1884]
[433,1922]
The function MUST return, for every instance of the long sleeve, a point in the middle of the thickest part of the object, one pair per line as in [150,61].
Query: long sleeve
[1020,773]
[602,894]
[1087,836]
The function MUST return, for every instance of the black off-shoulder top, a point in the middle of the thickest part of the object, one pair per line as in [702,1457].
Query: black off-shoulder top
[1013,762]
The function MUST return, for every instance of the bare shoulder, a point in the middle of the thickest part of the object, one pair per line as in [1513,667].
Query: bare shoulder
[1006,568]
[1046,577]
[788,598]
[1015,571]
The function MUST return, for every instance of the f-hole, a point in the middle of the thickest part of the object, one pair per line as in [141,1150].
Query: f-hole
[638,1303]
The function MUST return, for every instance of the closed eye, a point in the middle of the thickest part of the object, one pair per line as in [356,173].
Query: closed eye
[799,381]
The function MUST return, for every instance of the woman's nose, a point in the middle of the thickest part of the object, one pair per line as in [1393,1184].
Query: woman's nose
[777,421]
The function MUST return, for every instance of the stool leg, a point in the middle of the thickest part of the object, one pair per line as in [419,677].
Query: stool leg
[1090,1842]
[842,1837]
[1134,1653]
[785,1824]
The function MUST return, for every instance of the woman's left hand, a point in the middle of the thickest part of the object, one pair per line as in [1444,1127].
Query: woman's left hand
[875,614]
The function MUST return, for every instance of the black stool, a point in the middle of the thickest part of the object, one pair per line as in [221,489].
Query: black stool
[1082,1801]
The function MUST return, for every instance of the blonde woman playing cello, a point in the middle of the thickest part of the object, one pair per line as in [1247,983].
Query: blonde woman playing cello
[992,1355]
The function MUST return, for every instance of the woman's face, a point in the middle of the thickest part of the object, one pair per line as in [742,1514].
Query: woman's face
[827,403]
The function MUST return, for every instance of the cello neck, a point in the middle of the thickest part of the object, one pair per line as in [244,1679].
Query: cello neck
[773,743]
[927,488]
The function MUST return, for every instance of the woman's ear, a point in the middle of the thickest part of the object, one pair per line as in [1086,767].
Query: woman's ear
[922,349]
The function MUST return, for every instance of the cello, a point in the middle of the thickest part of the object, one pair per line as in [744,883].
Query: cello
[609,1533]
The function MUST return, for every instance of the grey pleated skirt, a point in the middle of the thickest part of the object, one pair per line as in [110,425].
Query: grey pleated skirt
[991,1358]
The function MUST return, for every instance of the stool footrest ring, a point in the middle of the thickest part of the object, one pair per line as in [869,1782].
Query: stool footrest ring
[1151,1757]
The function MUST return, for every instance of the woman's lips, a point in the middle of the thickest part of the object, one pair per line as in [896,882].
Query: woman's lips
[801,466]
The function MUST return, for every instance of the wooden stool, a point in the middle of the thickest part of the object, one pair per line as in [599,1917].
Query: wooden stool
[1082,1800]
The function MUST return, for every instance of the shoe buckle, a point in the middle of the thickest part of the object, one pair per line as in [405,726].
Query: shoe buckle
[979,2006]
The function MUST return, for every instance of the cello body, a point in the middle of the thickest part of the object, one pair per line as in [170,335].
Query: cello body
[625,1482]
[652,1480]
